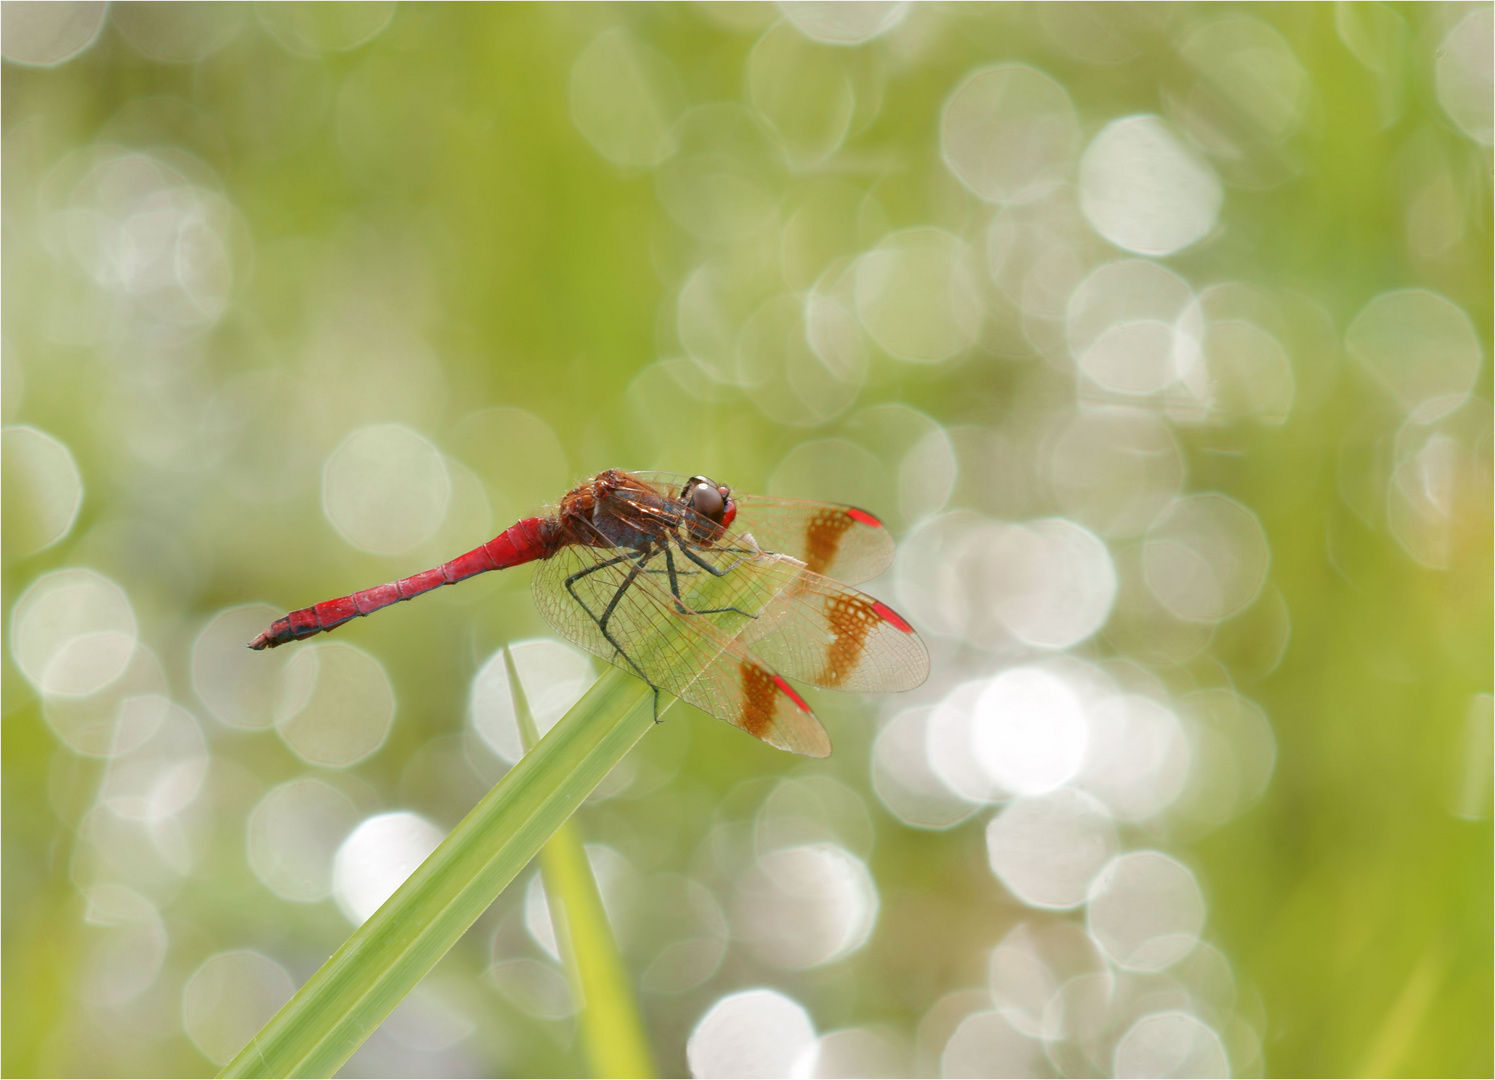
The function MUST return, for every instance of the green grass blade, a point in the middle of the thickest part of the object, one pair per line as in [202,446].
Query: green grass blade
[611,1029]
[612,1032]
[346,1000]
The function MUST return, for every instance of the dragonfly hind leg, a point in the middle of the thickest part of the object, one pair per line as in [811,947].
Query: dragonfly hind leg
[640,560]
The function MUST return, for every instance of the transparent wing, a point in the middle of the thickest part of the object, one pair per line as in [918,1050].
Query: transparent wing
[608,601]
[841,542]
[801,624]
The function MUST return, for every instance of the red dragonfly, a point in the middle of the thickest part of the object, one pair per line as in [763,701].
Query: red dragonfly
[712,596]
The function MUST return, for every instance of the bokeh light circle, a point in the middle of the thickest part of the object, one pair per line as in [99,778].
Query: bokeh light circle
[1134,328]
[161,775]
[1114,469]
[238,686]
[1029,731]
[693,932]
[805,906]
[1028,968]
[553,676]
[873,1051]
[949,744]
[1206,558]
[72,632]
[1250,373]
[803,90]
[986,1044]
[1170,1044]
[754,1033]
[843,24]
[151,233]
[723,182]
[917,297]
[44,35]
[294,834]
[1144,190]
[313,29]
[1422,347]
[174,34]
[128,961]
[625,98]
[811,810]
[335,704]
[1010,133]
[904,780]
[42,490]
[1251,97]
[1137,757]
[1232,753]
[386,489]
[229,998]
[1146,910]
[1051,583]
[1047,849]
[1466,75]
[119,716]
[376,858]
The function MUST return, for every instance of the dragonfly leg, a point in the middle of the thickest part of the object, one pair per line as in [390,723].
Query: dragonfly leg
[746,555]
[640,560]
[639,557]
[706,566]
[643,558]
[614,561]
[713,571]
[669,562]
[669,565]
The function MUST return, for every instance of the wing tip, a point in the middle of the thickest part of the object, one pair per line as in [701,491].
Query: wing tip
[817,747]
[856,513]
[820,751]
[891,617]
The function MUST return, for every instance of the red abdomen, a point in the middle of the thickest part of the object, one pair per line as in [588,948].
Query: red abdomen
[525,541]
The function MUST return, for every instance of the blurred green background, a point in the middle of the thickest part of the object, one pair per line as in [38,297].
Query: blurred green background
[1159,333]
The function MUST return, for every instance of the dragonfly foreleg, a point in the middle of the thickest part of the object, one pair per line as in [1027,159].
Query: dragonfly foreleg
[707,567]
[750,553]
[704,565]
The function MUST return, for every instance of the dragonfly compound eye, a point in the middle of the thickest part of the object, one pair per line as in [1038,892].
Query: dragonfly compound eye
[705,498]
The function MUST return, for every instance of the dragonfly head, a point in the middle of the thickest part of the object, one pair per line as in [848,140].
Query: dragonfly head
[711,500]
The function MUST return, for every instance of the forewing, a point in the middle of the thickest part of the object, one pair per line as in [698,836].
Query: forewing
[841,542]
[680,652]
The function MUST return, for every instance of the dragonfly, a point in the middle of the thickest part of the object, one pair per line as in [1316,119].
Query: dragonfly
[716,597]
